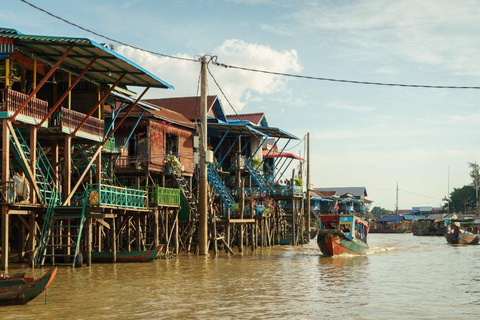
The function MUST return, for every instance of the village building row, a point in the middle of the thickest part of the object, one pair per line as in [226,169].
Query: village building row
[90,166]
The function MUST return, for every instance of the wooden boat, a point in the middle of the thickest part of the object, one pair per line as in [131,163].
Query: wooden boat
[342,233]
[133,256]
[20,290]
[459,235]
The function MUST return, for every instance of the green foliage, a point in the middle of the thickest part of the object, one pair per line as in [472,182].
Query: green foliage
[378,212]
[298,181]
[173,162]
[463,199]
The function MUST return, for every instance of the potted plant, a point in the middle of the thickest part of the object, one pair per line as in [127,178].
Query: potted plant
[236,209]
[298,181]
[172,164]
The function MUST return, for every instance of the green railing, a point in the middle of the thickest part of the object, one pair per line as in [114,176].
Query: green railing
[107,195]
[110,145]
[163,196]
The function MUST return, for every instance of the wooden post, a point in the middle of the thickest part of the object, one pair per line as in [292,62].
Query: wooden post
[33,161]
[31,239]
[203,183]
[89,241]
[294,212]
[113,241]
[67,177]
[156,238]
[177,247]
[308,213]
[5,177]
[138,234]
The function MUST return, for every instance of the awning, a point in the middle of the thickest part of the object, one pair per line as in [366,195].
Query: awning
[106,70]
[276,154]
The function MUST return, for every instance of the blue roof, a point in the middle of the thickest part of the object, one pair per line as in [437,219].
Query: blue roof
[393,219]
[413,217]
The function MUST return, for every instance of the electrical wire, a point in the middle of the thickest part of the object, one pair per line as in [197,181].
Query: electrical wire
[340,80]
[421,195]
[105,37]
[214,61]
[219,88]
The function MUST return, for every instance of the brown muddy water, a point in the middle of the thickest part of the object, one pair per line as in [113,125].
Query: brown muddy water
[402,277]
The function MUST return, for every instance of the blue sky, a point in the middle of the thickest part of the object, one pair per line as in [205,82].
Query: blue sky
[360,135]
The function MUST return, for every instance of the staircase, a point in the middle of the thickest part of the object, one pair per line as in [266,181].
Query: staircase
[257,177]
[63,236]
[56,222]
[44,175]
[82,159]
[187,194]
[219,186]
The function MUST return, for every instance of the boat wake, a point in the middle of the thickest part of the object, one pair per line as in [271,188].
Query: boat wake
[377,250]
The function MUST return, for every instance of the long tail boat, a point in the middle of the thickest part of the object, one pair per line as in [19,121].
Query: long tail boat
[20,290]
[342,233]
[133,256]
[457,233]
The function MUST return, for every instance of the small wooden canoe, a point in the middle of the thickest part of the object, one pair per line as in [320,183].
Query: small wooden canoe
[20,290]
[133,256]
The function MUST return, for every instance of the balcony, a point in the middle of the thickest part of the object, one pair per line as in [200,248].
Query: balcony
[113,196]
[68,120]
[35,111]
[163,196]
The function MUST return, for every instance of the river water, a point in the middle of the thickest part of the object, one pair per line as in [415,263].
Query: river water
[402,277]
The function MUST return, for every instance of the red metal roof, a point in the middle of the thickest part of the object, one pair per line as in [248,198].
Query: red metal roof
[187,106]
[254,118]
[275,154]
[164,114]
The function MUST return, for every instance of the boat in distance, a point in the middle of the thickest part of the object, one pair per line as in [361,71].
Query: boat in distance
[342,234]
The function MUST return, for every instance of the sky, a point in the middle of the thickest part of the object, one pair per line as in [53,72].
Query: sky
[360,135]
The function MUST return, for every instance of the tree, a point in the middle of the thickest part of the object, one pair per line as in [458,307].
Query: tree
[463,199]
[475,175]
[378,212]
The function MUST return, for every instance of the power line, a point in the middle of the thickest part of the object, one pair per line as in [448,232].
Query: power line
[340,80]
[103,36]
[249,69]
[219,88]
[421,195]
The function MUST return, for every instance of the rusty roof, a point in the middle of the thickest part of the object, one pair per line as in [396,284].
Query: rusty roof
[187,106]
[253,118]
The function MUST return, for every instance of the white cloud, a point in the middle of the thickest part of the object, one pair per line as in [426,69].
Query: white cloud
[436,32]
[238,85]
[345,106]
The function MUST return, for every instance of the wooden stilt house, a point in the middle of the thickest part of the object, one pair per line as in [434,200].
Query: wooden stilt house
[54,135]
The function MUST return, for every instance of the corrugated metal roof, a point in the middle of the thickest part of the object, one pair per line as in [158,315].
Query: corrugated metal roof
[276,154]
[189,106]
[106,70]
[356,191]
[253,118]
[276,133]
[394,219]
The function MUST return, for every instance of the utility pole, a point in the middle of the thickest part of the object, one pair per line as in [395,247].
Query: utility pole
[396,202]
[308,187]
[202,199]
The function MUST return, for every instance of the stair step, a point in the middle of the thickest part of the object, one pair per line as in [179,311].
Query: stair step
[60,245]
[66,216]
[59,255]
[64,236]
[71,226]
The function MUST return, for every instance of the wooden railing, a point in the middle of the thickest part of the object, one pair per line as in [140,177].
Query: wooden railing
[68,120]
[12,100]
